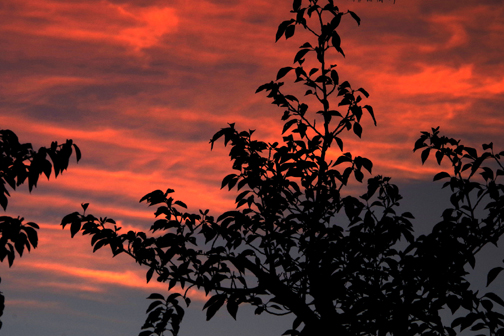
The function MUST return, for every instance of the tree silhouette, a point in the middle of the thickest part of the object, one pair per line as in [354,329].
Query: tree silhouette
[19,162]
[284,250]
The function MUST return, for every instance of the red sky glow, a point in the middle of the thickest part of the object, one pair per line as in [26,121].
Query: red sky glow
[141,87]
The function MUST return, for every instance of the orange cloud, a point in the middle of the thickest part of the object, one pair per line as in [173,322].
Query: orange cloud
[103,22]
[453,24]
[436,80]
[151,24]
[441,80]
[126,278]
[69,287]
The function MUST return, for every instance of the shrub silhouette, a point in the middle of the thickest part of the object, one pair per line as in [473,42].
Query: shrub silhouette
[19,163]
[283,251]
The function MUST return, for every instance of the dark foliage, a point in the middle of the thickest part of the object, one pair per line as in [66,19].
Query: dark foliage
[20,163]
[283,251]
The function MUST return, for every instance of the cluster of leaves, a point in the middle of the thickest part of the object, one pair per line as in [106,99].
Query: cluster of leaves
[163,312]
[456,240]
[20,163]
[15,232]
[285,250]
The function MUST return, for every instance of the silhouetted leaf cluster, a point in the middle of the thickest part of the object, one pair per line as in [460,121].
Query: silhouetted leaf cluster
[163,312]
[20,163]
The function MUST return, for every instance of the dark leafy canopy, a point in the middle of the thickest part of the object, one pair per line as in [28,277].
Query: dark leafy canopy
[20,163]
[284,250]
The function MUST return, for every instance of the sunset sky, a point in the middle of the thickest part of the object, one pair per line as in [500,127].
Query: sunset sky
[141,87]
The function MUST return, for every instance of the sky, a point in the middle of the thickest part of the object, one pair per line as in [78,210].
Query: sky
[141,87]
